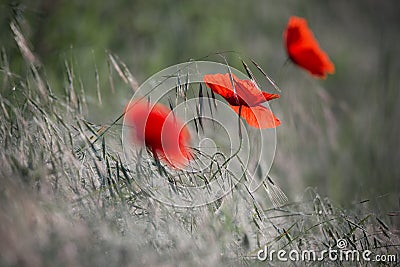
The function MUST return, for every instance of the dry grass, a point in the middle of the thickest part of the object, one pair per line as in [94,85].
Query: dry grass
[68,199]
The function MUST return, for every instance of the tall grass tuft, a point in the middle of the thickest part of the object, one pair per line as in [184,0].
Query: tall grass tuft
[68,198]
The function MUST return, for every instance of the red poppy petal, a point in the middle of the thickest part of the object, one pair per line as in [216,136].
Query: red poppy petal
[164,135]
[258,116]
[247,91]
[269,96]
[250,93]
[175,140]
[314,61]
[298,33]
[220,84]
[304,50]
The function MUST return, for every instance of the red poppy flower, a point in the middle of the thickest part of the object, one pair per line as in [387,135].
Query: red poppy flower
[156,127]
[303,49]
[245,98]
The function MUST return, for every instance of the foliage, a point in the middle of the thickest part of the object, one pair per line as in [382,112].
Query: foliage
[68,199]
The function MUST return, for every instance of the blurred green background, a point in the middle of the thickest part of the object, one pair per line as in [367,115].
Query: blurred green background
[340,135]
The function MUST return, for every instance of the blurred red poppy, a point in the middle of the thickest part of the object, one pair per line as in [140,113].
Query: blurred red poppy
[304,50]
[245,98]
[157,128]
